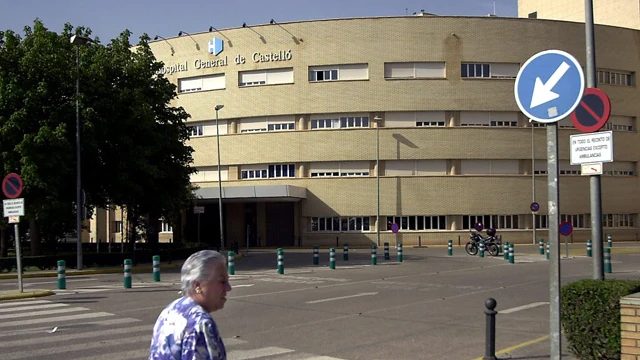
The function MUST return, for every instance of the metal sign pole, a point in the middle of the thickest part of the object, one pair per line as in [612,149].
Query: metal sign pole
[554,243]
[18,256]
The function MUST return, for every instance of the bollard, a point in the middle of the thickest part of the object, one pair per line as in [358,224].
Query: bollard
[481,252]
[127,273]
[589,253]
[607,260]
[450,248]
[345,252]
[315,255]
[374,256]
[610,240]
[399,252]
[280,261]
[332,258]
[62,275]
[231,263]
[156,267]
[541,246]
[512,259]
[505,250]
[547,250]
[490,332]
[386,251]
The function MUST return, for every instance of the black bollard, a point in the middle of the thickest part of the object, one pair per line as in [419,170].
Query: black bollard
[490,340]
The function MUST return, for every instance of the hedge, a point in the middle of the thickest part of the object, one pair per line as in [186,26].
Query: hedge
[590,316]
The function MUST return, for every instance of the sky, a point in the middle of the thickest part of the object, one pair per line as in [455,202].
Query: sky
[108,18]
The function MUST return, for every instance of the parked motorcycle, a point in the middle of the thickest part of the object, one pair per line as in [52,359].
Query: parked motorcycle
[491,243]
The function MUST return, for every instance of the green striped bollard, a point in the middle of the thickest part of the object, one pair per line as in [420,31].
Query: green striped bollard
[399,252]
[481,252]
[62,275]
[280,261]
[450,247]
[541,248]
[127,273]
[156,267]
[512,259]
[547,250]
[589,253]
[315,255]
[374,255]
[386,251]
[345,252]
[505,250]
[231,261]
[332,258]
[607,260]
[610,240]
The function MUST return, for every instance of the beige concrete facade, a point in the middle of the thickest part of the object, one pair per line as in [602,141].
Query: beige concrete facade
[453,192]
[623,13]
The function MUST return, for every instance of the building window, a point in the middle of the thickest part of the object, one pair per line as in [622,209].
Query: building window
[576,220]
[343,224]
[419,70]
[325,123]
[281,127]
[265,77]
[117,226]
[610,77]
[282,170]
[533,15]
[325,174]
[254,174]
[429,123]
[491,221]
[202,83]
[166,226]
[196,130]
[493,70]
[618,220]
[418,222]
[338,72]
[542,221]
[354,122]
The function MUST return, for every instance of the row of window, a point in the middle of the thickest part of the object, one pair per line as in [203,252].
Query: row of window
[439,222]
[410,70]
[271,172]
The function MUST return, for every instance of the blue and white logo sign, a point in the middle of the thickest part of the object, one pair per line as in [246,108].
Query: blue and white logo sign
[216,46]
[549,86]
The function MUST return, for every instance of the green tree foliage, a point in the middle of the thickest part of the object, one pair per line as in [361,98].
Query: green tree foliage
[132,141]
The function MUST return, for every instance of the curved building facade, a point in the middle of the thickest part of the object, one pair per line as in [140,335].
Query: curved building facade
[334,130]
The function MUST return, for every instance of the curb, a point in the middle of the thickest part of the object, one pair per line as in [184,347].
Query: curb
[25,295]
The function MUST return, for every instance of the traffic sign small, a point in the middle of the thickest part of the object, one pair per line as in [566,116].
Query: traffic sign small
[591,147]
[478,226]
[198,209]
[591,169]
[534,206]
[566,228]
[549,86]
[13,207]
[593,112]
[12,185]
[395,228]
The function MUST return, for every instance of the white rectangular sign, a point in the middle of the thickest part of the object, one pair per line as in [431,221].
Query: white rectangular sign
[591,169]
[13,207]
[198,209]
[591,147]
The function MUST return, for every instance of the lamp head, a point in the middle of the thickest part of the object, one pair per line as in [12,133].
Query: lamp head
[155,37]
[80,40]
[180,33]
[244,24]
[272,21]
[218,107]
[210,28]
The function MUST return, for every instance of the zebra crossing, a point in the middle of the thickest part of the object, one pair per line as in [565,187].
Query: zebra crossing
[111,287]
[43,329]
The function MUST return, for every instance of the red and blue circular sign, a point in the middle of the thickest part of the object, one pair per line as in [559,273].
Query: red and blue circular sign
[593,111]
[534,206]
[566,228]
[395,228]
[12,185]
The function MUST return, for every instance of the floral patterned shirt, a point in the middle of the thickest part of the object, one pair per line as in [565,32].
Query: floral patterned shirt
[185,331]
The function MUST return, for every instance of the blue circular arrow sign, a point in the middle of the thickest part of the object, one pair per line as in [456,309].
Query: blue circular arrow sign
[549,86]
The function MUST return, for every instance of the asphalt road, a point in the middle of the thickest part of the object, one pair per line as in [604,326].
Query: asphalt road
[428,307]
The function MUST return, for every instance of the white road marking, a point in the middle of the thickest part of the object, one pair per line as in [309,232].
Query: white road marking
[118,321]
[523,307]
[62,338]
[53,319]
[33,307]
[24,302]
[244,285]
[67,280]
[108,344]
[43,312]
[257,353]
[341,297]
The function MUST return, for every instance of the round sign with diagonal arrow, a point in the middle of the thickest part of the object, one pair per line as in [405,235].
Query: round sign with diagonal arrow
[549,86]
[12,185]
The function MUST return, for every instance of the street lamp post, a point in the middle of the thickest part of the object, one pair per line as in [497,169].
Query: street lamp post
[78,40]
[377,180]
[218,107]
[533,179]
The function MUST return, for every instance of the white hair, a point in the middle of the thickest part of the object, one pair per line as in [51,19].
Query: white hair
[198,268]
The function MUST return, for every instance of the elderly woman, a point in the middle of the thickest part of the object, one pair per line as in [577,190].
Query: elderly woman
[185,329]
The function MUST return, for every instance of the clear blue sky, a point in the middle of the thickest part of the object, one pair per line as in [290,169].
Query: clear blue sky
[107,18]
